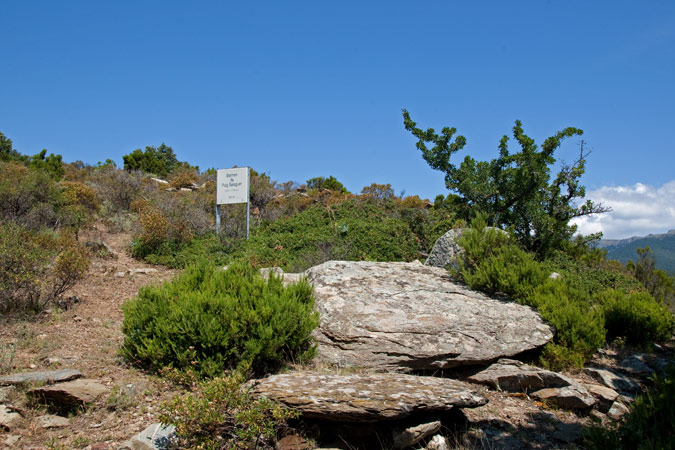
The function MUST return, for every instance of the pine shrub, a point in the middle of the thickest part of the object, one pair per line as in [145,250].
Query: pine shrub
[212,320]
[636,317]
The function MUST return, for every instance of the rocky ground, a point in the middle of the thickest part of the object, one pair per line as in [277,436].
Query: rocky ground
[85,335]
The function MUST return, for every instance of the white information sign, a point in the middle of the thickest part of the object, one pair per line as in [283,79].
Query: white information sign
[232,185]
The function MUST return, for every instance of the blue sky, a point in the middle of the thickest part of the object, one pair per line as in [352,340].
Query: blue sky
[304,89]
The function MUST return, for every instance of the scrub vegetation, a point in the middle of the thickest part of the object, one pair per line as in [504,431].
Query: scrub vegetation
[217,327]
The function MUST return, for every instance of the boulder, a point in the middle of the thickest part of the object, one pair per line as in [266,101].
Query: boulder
[567,397]
[446,252]
[613,379]
[364,397]
[516,376]
[45,377]
[406,316]
[70,394]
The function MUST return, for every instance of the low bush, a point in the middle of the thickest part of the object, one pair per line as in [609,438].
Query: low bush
[223,415]
[579,305]
[212,320]
[36,268]
[649,424]
[636,317]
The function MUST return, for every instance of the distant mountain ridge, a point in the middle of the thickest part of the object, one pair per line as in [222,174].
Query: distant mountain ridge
[663,246]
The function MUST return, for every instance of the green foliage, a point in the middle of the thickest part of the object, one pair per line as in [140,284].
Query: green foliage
[326,183]
[636,317]
[657,282]
[8,153]
[352,230]
[514,190]
[494,263]
[28,197]
[223,415]
[578,324]
[378,192]
[159,161]
[213,320]
[36,268]
[52,164]
[649,424]
[579,305]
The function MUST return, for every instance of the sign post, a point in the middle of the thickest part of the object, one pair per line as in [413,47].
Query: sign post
[232,187]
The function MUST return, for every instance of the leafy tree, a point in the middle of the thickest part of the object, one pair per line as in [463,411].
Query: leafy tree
[657,282]
[326,183]
[159,161]
[514,189]
[52,164]
[378,191]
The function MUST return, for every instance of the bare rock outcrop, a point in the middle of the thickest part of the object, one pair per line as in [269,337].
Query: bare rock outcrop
[365,397]
[407,316]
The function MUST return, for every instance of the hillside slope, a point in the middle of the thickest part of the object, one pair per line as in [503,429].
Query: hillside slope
[663,246]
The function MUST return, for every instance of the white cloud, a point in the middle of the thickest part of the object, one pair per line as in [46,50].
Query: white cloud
[637,210]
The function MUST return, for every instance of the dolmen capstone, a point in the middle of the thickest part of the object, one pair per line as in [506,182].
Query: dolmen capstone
[397,316]
[365,397]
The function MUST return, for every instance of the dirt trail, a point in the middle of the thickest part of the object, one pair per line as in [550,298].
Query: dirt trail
[87,337]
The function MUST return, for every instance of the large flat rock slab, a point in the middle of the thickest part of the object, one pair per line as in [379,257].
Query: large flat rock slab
[365,397]
[42,377]
[407,316]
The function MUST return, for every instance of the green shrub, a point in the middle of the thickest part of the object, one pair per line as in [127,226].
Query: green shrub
[637,317]
[579,325]
[649,424]
[495,264]
[36,268]
[223,415]
[213,320]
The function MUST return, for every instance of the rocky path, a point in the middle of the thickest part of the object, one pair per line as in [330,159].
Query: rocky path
[86,336]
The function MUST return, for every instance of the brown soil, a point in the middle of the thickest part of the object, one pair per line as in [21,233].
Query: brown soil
[87,337]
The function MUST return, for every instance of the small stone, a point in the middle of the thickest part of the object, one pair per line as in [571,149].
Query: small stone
[119,274]
[50,421]
[11,440]
[70,394]
[603,394]
[410,436]
[293,442]
[154,437]
[568,397]
[597,415]
[612,379]
[554,276]
[438,442]
[5,393]
[617,410]
[8,418]
[142,270]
